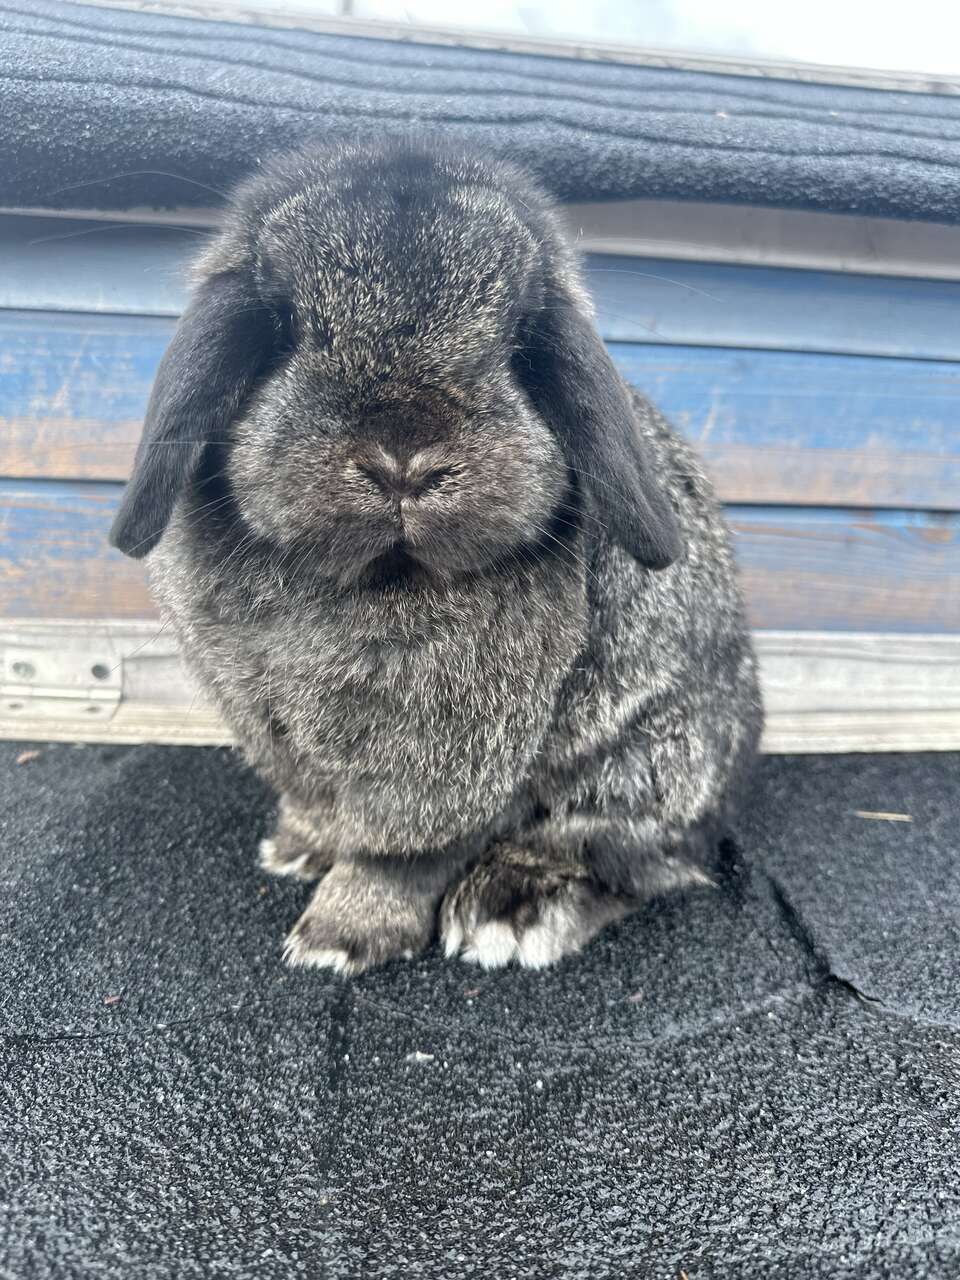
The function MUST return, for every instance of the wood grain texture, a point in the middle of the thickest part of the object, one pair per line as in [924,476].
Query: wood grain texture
[804,569]
[73,390]
[835,570]
[806,429]
[54,557]
[839,672]
[826,732]
[772,426]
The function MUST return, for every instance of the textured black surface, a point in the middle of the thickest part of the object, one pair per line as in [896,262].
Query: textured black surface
[87,94]
[697,1092]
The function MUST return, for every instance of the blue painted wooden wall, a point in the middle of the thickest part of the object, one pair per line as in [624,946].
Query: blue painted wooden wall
[826,407]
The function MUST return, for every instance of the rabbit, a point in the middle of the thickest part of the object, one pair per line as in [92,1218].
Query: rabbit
[466,602]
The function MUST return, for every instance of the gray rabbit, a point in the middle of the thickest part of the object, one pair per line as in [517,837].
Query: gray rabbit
[467,604]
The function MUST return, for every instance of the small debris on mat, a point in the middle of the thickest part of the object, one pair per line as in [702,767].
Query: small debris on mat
[26,756]
[636,998]
[883,817]
[112,999]
[417,1056]
[471,992]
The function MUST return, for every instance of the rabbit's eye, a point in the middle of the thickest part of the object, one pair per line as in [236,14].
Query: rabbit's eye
[284,329]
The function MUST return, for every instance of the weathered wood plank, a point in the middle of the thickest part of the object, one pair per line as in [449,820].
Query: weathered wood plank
[73,390]
[835,570]
[54,557]
[811,429]
[111,268]
[838,672]
[824,732]
[49,264]
[804,569]
[766,237]
[772,426]
[771,308]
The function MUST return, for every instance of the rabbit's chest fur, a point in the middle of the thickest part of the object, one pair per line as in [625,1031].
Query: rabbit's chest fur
[408,716]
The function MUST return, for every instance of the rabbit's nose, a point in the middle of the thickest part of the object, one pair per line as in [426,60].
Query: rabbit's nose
[402,478]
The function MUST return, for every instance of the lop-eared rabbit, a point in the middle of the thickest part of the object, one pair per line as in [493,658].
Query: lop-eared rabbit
[467,602]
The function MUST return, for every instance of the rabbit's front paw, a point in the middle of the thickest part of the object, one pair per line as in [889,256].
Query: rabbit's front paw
[293,849]
[280,860]
[520,906]
[355,922]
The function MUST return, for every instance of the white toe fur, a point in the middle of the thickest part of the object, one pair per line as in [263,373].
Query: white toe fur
[492,946]
[566,922]
[452,935]
[556,934]
[299,955]
[277,866]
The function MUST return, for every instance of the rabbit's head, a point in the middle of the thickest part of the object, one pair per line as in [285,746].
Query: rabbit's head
[391,363]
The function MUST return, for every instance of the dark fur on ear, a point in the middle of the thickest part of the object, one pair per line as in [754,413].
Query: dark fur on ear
[573,384]
[222,344]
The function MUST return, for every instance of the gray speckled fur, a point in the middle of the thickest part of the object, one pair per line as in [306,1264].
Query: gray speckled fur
[536,726]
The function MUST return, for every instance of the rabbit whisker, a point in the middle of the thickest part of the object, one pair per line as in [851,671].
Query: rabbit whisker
[136,546]
[649,275]
[140,647]
[137,173]
[116,226]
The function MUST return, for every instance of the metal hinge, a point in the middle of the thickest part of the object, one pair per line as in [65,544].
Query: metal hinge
[83,683]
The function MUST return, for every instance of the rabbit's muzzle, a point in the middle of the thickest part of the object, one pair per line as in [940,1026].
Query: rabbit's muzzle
[403,480]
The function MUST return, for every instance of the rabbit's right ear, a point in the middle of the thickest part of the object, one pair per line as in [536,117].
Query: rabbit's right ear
[572,382]
[221,347]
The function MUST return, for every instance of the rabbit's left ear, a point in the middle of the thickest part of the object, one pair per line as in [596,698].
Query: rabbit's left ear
[574,386]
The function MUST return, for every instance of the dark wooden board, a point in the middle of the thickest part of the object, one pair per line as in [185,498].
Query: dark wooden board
[814,569]
[804,569]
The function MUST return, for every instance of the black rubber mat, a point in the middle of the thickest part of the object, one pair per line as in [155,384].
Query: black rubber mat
[762,1079]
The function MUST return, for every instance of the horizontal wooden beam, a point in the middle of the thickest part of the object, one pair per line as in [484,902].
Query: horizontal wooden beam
[773,427]
[803,568]
[662,300]
[797,428]
[49,264]
[103,267]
